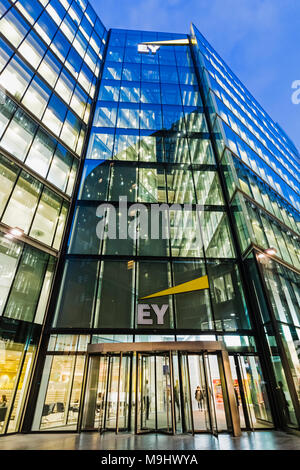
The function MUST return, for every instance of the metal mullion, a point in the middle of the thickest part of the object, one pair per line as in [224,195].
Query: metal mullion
[83,392]
[118,394]
[96,291]
[108,378]
[172,393]
[155,385]
[209,389]
[189,391]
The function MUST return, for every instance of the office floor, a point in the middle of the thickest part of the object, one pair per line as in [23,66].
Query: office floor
[261,440]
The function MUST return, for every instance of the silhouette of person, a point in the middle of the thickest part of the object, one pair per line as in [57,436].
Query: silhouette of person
[147,399]
[199,396]
[3,402]
[176,396]
[284,403]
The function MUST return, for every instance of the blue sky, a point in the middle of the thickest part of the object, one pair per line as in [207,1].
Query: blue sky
[258,39]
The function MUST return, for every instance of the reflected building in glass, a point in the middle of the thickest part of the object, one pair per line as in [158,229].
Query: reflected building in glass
[88,116]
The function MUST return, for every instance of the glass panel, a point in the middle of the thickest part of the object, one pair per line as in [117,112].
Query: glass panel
[15,77]
[32,49]
[25,292]
[22,204]
[217,392]
[9,258]
[41,153]
[19,135]
[60,169]
[13,27]
[200,406]
[16,414]
[255,392]
[46,218]
[77,294]
[115,295]
[94,406]
[10,362]
[50,68]
[8,176]
[61,403]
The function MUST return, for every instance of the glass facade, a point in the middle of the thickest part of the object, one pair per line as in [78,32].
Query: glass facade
[127,171]
[51,53]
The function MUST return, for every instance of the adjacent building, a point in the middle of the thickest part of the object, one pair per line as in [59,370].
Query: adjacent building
[149,264]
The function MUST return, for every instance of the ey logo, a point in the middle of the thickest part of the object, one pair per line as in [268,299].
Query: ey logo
[144,310]
[148,48]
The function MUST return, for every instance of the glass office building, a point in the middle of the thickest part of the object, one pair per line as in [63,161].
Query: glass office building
[135,164]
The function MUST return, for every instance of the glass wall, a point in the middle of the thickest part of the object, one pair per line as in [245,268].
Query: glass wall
[17,351]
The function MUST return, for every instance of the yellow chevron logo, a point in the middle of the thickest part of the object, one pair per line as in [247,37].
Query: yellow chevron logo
[200,283]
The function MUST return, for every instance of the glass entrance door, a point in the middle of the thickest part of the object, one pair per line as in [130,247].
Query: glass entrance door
[202,394]
[108,392]
[155,393]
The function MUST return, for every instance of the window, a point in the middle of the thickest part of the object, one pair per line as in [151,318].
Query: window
[32,49]
[126,146]
[150,117]
[79,101]
[105,116]
[154,277]
[55,115]
[46,27]
[131,72]
[123,182]
[19,135]
[71,130]
[41,153]
[9,257]
[77,295]
[13,27]
[31,9]
[37,97]
[60,169]
[65,86]
[115,294]
[112,71]
[16,77]
[101,146]
[5,54]
[50,68]
[7,109]
[8,176]
[150,93]
[26,288]
[60,46]
[23,202]
[193,310]
[46,218]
